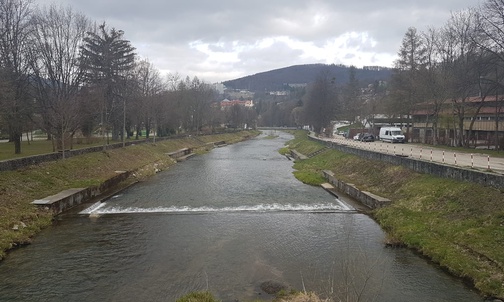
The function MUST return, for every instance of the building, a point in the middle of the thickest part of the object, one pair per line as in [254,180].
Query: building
[228,104]
[481,118]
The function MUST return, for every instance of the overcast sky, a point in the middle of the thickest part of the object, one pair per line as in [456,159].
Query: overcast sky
[226,39]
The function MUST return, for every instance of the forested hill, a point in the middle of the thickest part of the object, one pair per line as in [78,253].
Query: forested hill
[300,74]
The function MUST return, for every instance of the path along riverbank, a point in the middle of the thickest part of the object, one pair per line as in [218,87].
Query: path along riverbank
[20,220]
[457,224]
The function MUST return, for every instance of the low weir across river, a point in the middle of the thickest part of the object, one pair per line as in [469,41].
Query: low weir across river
[225,222]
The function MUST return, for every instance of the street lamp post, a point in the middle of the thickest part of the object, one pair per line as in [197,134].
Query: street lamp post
[124,123]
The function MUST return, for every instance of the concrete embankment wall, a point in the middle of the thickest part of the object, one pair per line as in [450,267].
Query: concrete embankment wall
[368,199]
[67,199]
[297,155]
[482,178]
[180,153]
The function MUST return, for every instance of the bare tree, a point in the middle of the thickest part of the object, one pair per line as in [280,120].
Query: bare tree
[321,102]
[15,31]
[204,95]
[490,33]
[467,64]
[195,98]
[236,116]
[145,87]
[435,80]
[54,58]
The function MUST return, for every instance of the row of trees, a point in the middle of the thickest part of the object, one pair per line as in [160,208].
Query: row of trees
[448,65]
[63,73]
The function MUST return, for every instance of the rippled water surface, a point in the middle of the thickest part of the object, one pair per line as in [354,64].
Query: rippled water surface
[225,221]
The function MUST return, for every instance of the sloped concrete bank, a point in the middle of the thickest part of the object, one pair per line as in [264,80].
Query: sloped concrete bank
[368,199]
[182,154]
[297,155]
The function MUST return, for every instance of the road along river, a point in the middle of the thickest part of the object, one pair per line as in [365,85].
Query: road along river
[225,222]
[475,160]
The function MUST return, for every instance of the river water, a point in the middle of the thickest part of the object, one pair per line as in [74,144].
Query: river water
[224,222]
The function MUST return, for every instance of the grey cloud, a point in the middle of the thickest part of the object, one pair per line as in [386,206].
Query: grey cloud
[278,54]
[166,28]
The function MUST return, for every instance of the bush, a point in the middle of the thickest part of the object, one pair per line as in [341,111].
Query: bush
[197,297]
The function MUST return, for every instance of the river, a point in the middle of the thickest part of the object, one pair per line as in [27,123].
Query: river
[225,222]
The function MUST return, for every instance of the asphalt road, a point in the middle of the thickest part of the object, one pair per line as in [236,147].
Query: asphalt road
[474,160]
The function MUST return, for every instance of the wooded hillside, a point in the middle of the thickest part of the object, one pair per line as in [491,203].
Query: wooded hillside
[300,74]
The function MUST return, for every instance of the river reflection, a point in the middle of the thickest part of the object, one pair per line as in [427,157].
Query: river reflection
[225,221]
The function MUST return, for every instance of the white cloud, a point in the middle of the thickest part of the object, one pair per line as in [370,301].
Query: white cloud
[225,39]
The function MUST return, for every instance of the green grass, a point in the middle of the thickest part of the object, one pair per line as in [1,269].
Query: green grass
[37,147]
[284,151]
[302,144]
[283,296]
[459,225]
[44,146]
[310,178]
[198,297]
[271,136]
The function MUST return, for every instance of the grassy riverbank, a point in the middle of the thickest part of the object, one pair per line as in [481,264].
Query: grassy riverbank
[20,220]
[290,297]
[459,225]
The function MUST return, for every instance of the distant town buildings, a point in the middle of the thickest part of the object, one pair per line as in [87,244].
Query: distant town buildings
[281,92]
[245,103]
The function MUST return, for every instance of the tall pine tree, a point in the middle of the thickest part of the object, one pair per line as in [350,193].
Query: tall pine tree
[107,59]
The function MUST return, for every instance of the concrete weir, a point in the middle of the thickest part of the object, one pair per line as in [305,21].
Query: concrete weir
[64,199]
[69,198]
[181,155]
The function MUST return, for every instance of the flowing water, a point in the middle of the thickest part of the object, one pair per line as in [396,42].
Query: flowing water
[224,222]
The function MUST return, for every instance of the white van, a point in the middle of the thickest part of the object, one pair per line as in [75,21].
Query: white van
[391,134]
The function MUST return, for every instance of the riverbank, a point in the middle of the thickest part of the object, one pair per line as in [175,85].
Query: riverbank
[459,225]
[20,220]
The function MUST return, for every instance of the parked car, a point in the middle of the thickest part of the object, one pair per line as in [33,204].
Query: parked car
[358,136]
[367,137]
